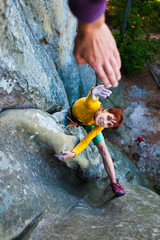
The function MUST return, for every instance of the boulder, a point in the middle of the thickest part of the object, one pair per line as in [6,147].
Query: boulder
[29,184]
[32,181]
[28,75]
[37,65]
[133,216]
[42,126]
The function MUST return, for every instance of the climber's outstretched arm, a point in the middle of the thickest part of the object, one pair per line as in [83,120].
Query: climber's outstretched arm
[107,160]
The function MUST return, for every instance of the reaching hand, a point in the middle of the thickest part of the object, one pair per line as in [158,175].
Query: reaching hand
[66,155]
[95,45]
[100,91]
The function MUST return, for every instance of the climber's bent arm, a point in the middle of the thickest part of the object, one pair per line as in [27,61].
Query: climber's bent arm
[84,143]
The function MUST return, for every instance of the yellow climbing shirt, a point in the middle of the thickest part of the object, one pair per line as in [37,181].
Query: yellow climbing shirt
[84,110]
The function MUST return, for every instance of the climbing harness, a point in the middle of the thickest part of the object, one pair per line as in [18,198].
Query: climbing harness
[73,120]
[74,124]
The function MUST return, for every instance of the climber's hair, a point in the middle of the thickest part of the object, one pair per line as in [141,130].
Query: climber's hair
[118,117]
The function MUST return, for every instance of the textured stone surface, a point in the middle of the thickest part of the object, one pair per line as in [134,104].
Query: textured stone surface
[28,177]
[124,168]
[45,129]
[116,98]
[33,181]
[27,72]
[133,216]
[37,64]
[140,122]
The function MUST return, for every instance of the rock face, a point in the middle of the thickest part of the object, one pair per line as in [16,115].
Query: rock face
[134,216]
[28,74]
[37,64]
[44,128]
[32,181]
[28,181]
[50,131]
[37,67]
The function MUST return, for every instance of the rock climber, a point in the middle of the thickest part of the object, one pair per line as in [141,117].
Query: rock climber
[88,112]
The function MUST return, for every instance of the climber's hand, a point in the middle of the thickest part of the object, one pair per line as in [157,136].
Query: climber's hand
[100,91]
[66,155]
[96,46]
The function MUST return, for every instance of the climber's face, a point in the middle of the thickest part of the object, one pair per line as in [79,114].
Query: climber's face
[104,119]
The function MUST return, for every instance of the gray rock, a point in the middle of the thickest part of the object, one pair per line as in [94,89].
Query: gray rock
[28,176]
[139,122]
[49,131]
[125,169]
[27,73]
[33,182]
[37,64]
[122,131]
[116,98]
[133,216]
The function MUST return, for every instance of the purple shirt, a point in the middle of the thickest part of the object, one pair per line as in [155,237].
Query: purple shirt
[87,11]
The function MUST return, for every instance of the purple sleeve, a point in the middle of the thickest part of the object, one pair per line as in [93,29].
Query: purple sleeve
[87,11]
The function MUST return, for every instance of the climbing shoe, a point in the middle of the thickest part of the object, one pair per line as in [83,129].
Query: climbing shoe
[117,189]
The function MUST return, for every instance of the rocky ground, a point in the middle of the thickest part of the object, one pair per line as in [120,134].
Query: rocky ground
[141,118]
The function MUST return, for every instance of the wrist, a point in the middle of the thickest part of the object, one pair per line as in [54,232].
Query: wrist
[94,94]
[73,153]
[89,27]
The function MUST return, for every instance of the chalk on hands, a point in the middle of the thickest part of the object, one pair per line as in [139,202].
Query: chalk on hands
[106,93]
[59,157]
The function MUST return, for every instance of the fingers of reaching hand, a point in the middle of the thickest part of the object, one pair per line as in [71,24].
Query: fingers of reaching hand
[115,66]
[110,72]
[117,57]
[65,152]
[100,91]
[102,76]
[100,87]
[59,157]
[105,93]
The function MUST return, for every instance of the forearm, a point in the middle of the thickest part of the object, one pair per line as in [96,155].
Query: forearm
[107,160]
[87,11]
[84,143]
[80,147]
